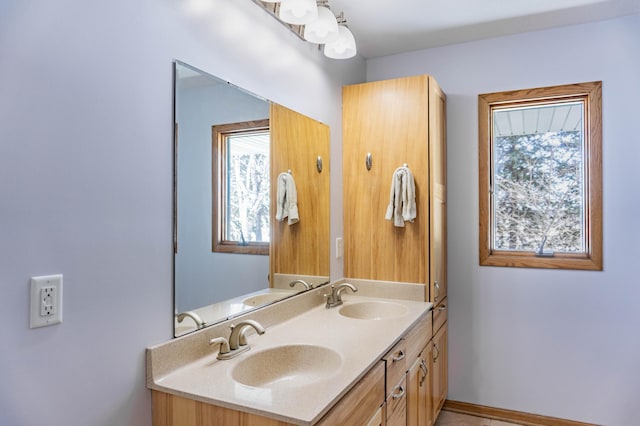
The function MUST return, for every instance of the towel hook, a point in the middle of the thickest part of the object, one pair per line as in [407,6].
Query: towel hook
[319,164]
[289,171]
[405,165]
[368,161]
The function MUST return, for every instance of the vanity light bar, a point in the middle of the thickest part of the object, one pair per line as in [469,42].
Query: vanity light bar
[337,38]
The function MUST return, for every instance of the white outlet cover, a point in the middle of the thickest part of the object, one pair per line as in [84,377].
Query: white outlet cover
[46,300]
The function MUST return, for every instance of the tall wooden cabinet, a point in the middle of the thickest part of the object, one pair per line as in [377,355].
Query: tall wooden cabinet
[388,124]
[395,122]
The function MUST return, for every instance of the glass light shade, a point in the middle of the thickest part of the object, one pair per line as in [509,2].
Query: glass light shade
[298,12]
[342,48]
[324,29]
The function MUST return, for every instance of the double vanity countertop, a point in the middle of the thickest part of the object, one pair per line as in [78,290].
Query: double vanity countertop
[326,350]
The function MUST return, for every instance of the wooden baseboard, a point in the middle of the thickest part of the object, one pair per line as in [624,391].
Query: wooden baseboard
[510,416]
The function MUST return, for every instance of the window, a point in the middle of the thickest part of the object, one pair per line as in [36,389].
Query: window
[241,187]
[540,154]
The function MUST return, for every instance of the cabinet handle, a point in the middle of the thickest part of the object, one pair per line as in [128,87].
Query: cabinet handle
[425,371]
[398,395]
[398,357]
[442,308]
[436,286]
[435,347]
[368,161]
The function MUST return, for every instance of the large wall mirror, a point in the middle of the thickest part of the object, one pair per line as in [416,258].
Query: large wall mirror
[242,165]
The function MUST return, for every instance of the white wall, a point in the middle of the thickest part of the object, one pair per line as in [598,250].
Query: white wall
[86,182]
[557,343]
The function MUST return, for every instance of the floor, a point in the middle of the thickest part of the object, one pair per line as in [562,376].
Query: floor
[448,418]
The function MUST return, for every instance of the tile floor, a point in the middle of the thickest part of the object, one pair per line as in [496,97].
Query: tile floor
[448,418]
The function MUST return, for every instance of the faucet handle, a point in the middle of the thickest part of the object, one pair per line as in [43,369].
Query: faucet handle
[224,345]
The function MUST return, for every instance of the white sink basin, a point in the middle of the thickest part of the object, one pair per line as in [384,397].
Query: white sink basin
[373,310]
[263,299]
[287,366]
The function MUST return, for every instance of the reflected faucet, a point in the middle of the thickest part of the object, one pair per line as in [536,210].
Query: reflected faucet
[335,298]
[306,285]
[193,316]
[237,342]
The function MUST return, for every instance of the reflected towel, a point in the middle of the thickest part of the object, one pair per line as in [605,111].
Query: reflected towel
[402,199]
[287,199]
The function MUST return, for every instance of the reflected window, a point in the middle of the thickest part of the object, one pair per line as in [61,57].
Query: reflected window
[241,187]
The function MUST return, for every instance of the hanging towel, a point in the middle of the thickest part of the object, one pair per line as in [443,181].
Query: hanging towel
[402,199]
[287,199]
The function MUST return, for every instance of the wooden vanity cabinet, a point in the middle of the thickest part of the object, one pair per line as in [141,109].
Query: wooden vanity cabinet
[395,391]
[387,124]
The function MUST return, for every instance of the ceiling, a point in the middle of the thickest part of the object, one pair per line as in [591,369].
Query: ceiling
[384,28]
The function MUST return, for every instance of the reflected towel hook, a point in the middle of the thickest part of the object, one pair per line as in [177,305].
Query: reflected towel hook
[319,164]
[368,161]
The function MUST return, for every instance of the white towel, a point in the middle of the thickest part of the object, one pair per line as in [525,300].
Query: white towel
[287,199]
[402,199]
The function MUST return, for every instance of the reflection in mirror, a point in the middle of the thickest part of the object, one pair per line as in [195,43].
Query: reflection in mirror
[230,148]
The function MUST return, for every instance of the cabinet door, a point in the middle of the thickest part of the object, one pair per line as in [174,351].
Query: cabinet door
[296,143]
[360,404]
[389,120]
[437,193]
[419,412]
[439,372]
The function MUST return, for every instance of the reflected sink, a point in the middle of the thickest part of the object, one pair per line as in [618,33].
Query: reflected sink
[373,310]
[287,366]
[263,299]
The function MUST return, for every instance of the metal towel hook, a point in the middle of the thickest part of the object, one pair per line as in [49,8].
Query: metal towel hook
[368,161]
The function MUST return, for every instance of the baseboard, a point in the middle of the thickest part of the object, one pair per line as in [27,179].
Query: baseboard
[510,416]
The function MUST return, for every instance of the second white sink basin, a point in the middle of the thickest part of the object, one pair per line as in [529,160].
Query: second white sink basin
[263,299]
[376,310]
[287,366]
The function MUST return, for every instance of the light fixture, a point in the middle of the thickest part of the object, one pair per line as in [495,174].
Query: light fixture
[324,29]
[298,12]
[313,21]
[344,47]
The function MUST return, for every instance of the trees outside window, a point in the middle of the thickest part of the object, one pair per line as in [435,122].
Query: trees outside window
[540,177]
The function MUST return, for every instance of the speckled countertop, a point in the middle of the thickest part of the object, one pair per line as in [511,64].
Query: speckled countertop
[189,368]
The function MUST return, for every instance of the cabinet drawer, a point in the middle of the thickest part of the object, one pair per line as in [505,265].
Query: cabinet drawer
[440,315]
[418,337]
[397,404]
[396,363]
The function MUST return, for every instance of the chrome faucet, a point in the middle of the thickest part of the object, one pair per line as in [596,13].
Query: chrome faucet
[237,342]
[193,316]
[335,298]
[306,285]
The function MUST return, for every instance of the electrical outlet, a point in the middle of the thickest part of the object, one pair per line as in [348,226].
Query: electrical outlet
[46,300]
[339,248]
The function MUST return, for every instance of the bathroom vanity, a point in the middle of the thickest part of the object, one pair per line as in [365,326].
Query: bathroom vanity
[367,361]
